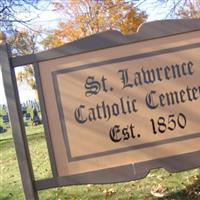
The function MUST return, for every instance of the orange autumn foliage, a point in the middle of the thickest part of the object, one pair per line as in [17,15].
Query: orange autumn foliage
[86,17]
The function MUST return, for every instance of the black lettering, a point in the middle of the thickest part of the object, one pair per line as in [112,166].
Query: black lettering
[92,115]
[190,65]
[114,134]
[93,87]
[104,84]
[137,79]
[158,70]
[106,111]
[183,69]
[125,133]
[125,78]
[149,100]
[149,76]
[78,115]
[115,109]
[176,71]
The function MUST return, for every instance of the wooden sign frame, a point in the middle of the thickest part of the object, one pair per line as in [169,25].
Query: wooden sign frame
[132,171]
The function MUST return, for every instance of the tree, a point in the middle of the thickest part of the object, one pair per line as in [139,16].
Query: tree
[16,17]
[25,42]
[175,8]
[15,12]
[190,10]
[86,17]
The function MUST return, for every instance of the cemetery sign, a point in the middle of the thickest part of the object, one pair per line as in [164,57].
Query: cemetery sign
[115,107]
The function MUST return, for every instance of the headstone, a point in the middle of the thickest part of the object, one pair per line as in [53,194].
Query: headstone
[2,130]
[37,106]
[24,110]
[27,116]
[5,119]
[4,107]
[36,118]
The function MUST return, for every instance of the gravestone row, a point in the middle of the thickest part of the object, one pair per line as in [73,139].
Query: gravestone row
[27,115]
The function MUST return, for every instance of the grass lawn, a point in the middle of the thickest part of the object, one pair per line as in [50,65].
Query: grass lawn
[177,186]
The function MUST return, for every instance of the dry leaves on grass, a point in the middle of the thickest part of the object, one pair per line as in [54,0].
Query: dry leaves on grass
[159,190]
[109,192]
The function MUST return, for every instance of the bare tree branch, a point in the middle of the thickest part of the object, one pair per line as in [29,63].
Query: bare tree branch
[173,8]
[16,12]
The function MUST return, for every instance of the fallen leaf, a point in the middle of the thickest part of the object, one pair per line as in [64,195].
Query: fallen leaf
[159,191]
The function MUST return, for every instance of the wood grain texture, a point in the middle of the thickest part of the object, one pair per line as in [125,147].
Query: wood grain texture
[18,129]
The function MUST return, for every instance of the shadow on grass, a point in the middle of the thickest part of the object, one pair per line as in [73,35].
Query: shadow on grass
[191,192]
[33,136]
[4,197]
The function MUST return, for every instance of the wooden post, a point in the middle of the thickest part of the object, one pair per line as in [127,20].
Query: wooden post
[18,130]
